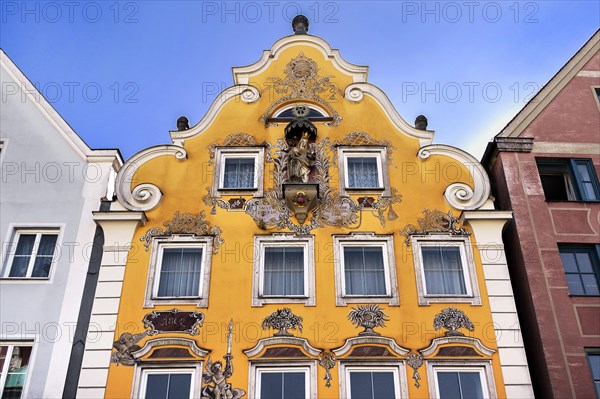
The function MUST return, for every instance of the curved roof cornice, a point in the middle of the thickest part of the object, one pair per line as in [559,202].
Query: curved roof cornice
[242,75]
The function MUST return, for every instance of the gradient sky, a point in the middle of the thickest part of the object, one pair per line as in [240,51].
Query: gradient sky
[120,73]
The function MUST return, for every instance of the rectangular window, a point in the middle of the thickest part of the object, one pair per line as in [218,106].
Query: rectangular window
[363,172]
[445,269]
[444,274]
[179,271]
[372,384]
[365,269]
[363,169]
[569,179]
[460,384]
[283,269]
[32,254]
[373,380]
[594,362]
[14,364]
[166,384]
[582,269]
[238,171]
[282,384]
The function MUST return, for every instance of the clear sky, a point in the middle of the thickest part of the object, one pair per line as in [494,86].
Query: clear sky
[120,73]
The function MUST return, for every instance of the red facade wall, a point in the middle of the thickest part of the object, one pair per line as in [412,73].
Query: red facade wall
[557,327]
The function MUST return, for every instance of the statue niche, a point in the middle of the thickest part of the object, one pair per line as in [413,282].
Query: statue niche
[301,194]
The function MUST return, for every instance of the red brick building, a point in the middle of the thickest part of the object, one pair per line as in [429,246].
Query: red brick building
[545,165]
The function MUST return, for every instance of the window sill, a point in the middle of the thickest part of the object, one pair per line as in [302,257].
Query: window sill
[262,300]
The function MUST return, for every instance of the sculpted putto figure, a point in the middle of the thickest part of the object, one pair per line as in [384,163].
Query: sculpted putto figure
[220,389]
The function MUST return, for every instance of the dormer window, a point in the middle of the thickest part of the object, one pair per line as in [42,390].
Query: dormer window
[311,112]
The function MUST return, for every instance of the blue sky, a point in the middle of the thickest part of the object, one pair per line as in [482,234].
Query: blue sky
[120,73]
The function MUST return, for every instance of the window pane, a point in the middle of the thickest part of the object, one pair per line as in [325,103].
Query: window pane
[284,271]
[41,267]
[362,172]
[594,360]
[238,173]
[364,271]
[179,386]
[22,255]
[575,285]
[180,272]
[470,384]
[17,372]
[449,385]
[294,386]
[47,245]
[443,271]
[271,385]
[383,385]
[360,385]
[19,266]
[569,262]
[25,244]
[584,262]
[590,284]
[157,386]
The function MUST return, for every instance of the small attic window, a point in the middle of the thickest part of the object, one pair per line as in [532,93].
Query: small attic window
[286,114]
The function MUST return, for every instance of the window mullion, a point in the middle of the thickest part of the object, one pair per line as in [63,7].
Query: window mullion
[578,186]
[33,257]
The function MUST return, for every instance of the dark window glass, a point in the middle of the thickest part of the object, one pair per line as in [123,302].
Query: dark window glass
[312,113]
[569,179]
[42,247]
[372,385]
[168,386]
[459,385]
[581,267]
[284,271]
[594,361]
[364,271]
[16,374]
[284,385]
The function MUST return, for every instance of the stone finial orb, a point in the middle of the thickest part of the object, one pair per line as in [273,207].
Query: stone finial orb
[421,122]
[183,123]
[300,25]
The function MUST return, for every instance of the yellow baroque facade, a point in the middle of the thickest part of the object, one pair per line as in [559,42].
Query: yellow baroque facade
[303,240]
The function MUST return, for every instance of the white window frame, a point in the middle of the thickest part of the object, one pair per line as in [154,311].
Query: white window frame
[257,368]
[222,154]
[473,295]
[386,243]
[4,370]
[484,368]
[396,367]
[283,240]
[141,375]
[380,153]
[178,241]
[15,233]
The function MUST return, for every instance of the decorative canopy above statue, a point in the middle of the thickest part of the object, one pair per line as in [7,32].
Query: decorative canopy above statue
[297,128]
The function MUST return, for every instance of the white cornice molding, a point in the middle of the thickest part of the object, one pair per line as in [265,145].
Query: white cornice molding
[242,75]
[158,342]
[461,195]
[247,94]
[144,196]
[376,340]
[270,341]
[539,102]
[355,92]
[475,342]
[47,110]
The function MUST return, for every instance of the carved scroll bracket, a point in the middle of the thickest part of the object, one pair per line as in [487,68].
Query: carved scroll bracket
[432,222]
